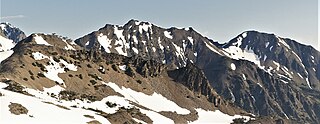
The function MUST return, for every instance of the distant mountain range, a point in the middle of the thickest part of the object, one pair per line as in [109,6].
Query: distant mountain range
[142,73]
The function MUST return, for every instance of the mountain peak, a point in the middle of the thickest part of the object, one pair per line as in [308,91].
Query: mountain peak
[11,32]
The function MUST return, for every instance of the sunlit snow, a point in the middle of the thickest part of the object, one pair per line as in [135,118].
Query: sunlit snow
[105,42]
[168,34]
[233,66]
[149,100]
[40,40]
[215,117]
[40,112]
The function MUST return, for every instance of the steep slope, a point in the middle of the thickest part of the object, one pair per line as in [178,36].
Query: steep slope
[11,32]
[9,36]
[104,87]
[284,58]
[283,83]
[270,83]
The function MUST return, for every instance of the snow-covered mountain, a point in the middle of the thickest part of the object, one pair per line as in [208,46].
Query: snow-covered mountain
[9,36]
[140,72]
[11,32]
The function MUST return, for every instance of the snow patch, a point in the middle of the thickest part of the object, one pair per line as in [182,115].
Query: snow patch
[160,45]
[68,47]
[6,46]
[209,45]
[246,54]
[148,100]
[145,27]
[283,42]
[105,42]
[215,117]
[307,80]
[54,68]
[39,56]
[267,44]
[156,117]
[41,112]
[233,66]
[300,75]
[244,77]
[244,34]
[168,34]
[190,39]
[123,67]
[40,40]
[277,64]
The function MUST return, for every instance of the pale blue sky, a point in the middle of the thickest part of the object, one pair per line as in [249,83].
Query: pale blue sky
[217,19]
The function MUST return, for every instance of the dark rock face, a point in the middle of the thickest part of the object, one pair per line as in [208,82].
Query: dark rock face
[194,79]
[284,82]
[11,32]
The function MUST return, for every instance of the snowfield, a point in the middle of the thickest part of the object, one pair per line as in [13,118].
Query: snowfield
[215,117]
[40,111]
[5,48]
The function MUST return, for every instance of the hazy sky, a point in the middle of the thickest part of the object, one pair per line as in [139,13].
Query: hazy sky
[217,19]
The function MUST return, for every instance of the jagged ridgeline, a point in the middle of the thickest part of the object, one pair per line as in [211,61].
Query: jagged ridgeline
[142,73]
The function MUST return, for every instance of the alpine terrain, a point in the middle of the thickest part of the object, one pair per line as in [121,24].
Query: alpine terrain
[143,73]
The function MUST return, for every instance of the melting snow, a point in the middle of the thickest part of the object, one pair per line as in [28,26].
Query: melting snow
[145,27]
[233,66]
[307,80]
[160,45]
[283,42]
[267,44]
[244,77]
[195,54]
[135,40]
[190,39]
[277,64]
[215,117]
[6,54]
[246,54]
[271,48]
[41,112]
[244,34]
[300,75]
[6,44]
[297,56]
[120,42]
[5,48]
[40,40]
[123,67]
[209,45]
[156,117]
[139,121]
[168,34]
[68,47]
[105,42]
[3,27]
[135,50]
[149,100]
[54,68]
[39,56]
[179,52]
[153,49]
